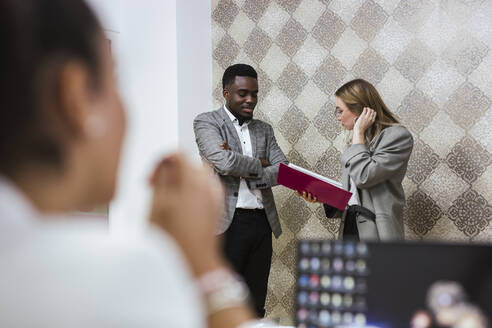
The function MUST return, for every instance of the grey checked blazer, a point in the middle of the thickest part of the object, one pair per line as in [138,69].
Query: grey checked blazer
[213,128]
[378,171]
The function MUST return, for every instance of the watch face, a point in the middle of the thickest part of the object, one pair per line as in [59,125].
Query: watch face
[331,284]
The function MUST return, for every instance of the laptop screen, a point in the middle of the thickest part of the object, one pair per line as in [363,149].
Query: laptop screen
[349,284]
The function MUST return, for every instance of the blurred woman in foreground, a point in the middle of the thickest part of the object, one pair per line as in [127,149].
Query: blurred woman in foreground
[62,126]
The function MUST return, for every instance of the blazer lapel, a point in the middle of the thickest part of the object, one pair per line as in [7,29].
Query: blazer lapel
[233,142]
[253,135]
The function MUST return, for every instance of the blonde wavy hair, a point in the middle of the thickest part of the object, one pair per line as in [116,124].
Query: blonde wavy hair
[359,93]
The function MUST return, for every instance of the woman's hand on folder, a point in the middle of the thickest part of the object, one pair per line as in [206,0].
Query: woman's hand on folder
[307,197]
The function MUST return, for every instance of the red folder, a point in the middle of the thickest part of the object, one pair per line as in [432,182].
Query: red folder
[300,179]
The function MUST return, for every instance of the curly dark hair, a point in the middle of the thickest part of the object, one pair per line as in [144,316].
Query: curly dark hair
[237,70]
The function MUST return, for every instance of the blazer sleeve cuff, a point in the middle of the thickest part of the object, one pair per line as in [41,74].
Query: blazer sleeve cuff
[257,172]
[330,211]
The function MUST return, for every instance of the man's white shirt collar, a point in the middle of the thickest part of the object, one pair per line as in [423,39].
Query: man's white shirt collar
[233,118]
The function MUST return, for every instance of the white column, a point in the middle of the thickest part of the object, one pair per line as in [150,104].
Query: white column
[194,41]
[146,53]
[163,55]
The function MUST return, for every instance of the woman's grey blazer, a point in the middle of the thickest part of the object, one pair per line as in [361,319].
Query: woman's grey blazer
[378,171]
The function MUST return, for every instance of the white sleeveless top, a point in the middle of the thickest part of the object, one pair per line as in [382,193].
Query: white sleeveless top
[59,273]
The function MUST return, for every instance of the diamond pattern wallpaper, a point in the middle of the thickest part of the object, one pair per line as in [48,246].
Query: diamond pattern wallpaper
[431,61]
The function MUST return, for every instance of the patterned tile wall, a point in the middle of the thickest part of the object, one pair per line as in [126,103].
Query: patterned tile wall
[430,60]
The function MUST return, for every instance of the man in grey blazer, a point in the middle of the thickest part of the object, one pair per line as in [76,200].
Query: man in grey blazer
[245,155]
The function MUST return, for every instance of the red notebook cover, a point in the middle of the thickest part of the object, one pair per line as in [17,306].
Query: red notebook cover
[325,192]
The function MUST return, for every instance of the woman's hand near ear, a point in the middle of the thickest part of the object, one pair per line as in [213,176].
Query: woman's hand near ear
[363,122]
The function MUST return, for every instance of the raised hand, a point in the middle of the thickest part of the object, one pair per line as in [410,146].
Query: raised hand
[187,203]
[363,122]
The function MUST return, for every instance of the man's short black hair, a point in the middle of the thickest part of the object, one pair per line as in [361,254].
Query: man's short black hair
[237,70]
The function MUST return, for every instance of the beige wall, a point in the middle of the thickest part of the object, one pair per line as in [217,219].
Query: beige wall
[432,63]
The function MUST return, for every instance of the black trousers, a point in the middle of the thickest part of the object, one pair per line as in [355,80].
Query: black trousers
[350,230]
[248,247]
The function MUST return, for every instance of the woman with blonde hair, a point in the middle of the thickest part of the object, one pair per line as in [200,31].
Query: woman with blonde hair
[373,165]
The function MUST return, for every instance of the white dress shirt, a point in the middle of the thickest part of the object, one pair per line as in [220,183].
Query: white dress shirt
[55,272]
[354,199]
[247,198]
